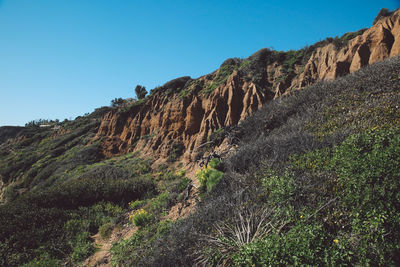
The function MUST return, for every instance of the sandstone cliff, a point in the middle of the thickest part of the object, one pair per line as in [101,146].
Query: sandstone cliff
[179,116]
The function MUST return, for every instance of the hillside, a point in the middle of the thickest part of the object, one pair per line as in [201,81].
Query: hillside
[314,181]
[306,148]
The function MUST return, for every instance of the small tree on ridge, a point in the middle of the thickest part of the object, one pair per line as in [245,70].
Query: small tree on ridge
[140,91]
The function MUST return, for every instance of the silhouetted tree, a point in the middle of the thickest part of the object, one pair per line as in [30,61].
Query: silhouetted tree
[140,91]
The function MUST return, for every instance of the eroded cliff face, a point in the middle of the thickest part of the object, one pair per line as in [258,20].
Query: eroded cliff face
[183,113]
[166,121]
[376,43]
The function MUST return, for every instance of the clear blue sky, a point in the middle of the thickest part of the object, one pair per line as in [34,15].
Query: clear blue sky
[63,58]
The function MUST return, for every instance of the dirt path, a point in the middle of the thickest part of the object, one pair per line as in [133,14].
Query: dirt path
[102,257]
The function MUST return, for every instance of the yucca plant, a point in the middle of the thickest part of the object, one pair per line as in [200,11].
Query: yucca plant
[250,225]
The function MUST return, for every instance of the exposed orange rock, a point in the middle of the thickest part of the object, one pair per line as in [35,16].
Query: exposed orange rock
[377,43]
[168,116]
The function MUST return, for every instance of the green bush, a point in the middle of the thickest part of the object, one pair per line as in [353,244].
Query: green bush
[43,260]
[86,192]
[105,230]
[209,177]
[136,204]
[160,203]
[369,174]
[134,251]
[53,231]
[83,247]
[368,181]
[141,218]
[303,245]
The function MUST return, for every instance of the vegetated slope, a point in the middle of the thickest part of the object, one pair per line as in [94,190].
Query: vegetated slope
[315,181]
[61,191]
[68,184]
[183,113]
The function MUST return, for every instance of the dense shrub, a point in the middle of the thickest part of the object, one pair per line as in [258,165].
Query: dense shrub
[210,176]
[85,192]
[44,260]
[135,251]
[304,244]
[24,228]
[369,172]
[140,218]
[105,230]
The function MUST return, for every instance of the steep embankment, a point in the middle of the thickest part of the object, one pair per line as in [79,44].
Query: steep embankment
[182,114]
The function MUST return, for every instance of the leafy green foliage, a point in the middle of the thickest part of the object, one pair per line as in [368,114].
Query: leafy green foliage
[303,244]
[44,260]
[136,204]
[82,247]
[134,250]
[369,171]
[105,230]
[210,176]
[141,218]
